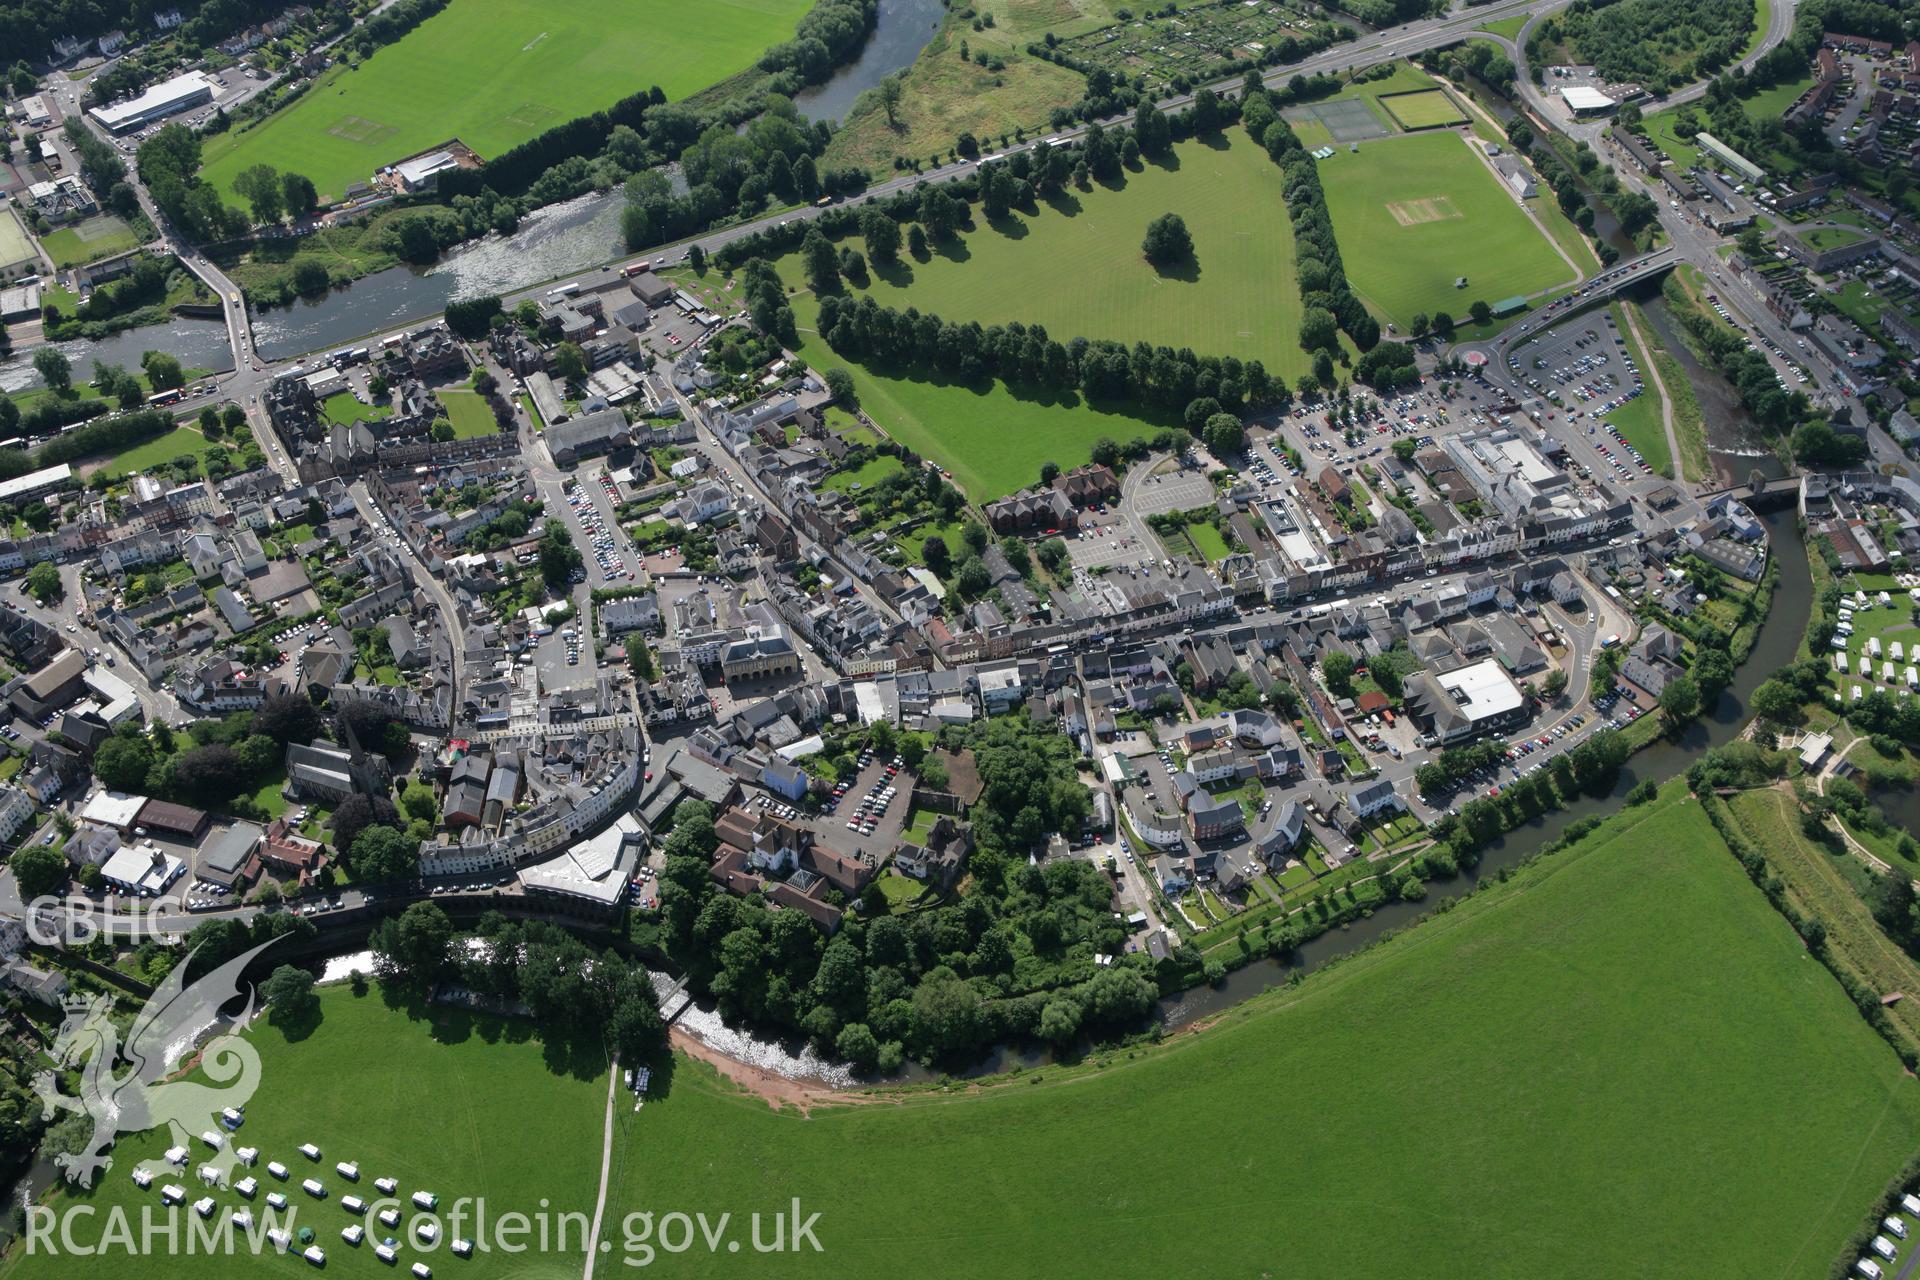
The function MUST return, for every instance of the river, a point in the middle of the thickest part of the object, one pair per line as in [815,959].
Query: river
[198,344]
[1735,444]
[1779,637]
[558,240]
[901,30]
[561,239]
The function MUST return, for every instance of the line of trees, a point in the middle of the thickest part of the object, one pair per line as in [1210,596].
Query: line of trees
[1746,369]
[115,434]
[169,164]
[832,32]
[574,994]
[729,170]
[1330,305]
[1158,378]
[387,25]
[101,167]
[1589,768]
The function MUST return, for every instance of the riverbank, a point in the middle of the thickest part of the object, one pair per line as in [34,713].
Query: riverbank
[1513,1008]
[156,291]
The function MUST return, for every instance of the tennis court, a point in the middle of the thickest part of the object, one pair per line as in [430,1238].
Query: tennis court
[1349,120]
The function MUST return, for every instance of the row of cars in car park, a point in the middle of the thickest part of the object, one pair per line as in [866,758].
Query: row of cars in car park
[1626,447]
[874,803]
[1627,714]
[778,808]
[304,633]
[612,564]
[1566,732]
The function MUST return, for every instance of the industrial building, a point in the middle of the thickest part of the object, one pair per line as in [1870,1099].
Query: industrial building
[167,98]
[1585,100]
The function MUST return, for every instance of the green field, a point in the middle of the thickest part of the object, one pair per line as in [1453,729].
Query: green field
[446,1101]
[1771,104]
[865,476]
[1422,109]
[344,409]
[1413,213]
[1822,884]
[1824,238]
[160,449]
[94,238]
[1208,541]
[494,73]
[1075,266]
[1508,27]
[1767,104]
[468,411]
[991,437]
[1623,1055]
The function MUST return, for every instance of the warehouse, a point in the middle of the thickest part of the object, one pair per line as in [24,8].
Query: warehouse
[162,100]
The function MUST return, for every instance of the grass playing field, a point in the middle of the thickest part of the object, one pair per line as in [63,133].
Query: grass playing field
[991,438]
[1423,109]
[1619,1058]
[468,412]
[494,73]
[1076,267]
[452,1103]
[1412,213]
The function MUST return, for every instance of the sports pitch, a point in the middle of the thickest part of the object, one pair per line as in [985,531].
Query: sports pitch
[1412,213]
[1347,119]
[1621,1062]
[494,73]
[1422,109]
[1076,266]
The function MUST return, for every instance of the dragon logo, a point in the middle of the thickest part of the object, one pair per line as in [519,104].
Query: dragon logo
[141,1097]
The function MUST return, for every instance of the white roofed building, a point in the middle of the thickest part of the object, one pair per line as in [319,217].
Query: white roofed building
[162,100]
